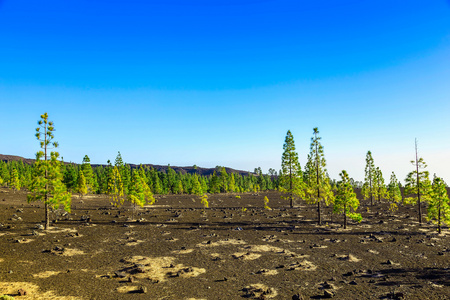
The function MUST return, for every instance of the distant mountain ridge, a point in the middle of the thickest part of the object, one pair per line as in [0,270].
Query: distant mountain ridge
[159,168]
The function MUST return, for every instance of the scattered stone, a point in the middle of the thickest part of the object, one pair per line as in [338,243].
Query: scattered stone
[120,274]
[22,292]
[142,290]
[328,294]
[353,282]
[298,296]
[39,227]
[328,286]
[58,248]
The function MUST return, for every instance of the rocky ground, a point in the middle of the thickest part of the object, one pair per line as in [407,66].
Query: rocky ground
[175,250]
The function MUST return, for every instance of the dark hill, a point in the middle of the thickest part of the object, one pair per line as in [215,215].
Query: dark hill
[160,168]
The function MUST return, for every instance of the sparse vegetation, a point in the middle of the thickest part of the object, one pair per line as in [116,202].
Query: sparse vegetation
[266,203]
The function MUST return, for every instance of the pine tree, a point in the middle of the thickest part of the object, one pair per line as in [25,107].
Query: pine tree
[223,178]
[124,172]
[14,182]
[232,184]
[418,185]
[214,184]
[46,183]
[204,184]
[88,174]
[204,202]
[196,186]
[82,186]
[4,173]
[439,203]
[346,200]
[115,187]
[368,189]
[291,179]
[170,180]
[178,189]
[266,202]
[317,182]
[139,193]
[379,185]
[70,177]
[394,195]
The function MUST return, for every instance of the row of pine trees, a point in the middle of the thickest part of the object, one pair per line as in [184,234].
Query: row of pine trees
[85,179]
[49,176]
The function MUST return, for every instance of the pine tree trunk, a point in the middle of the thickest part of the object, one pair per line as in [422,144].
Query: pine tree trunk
[290,186]
[439,219]
[47,218]
[418,188]
[345,217]
[318,213]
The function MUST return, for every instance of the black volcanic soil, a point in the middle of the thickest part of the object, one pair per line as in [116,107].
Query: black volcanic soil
[177,252]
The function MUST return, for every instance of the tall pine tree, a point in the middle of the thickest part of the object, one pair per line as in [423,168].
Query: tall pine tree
[368,189]
[318,187]
[46,183]
[291,178]
[418,184]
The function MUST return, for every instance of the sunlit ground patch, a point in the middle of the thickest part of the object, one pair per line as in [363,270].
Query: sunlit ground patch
[33,292]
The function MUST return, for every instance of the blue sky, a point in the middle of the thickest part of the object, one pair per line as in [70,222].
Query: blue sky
[220,82]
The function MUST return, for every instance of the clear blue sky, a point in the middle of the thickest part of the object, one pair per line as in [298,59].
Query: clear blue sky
[220,82]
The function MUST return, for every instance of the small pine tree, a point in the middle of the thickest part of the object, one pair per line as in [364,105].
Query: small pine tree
[14,182]
[178,187]
[204,202]
[394,195]
[439,203]
[223,178]
[82,187]
[266,202]
[115,187]
[346,200]
[196,187]
[88,174]
[214,184]
[232,183]
[139,193]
